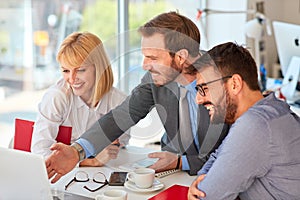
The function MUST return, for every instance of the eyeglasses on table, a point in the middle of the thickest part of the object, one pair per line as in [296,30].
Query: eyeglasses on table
[82,176]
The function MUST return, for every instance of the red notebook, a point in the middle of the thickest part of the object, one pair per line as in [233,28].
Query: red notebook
[173,192]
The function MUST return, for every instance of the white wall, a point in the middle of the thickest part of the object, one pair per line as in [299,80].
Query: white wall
[221,28]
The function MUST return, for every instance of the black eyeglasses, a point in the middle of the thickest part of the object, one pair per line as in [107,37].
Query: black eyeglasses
[82,176]
[200,87]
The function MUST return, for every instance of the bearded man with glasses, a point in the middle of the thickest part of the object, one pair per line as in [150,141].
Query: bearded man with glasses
[259,158]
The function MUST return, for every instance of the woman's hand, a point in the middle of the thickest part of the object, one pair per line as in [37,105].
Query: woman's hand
[110,152]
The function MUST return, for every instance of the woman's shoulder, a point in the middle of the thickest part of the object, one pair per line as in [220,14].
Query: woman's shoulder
[115,92]
[61,86]
[114,96]
[59,90]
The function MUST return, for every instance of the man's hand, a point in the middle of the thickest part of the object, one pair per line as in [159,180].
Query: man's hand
[62,160]
[166,161]
[194,193]
[110,152]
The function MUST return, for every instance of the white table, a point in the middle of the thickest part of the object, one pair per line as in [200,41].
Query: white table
[296,110]
[126,155]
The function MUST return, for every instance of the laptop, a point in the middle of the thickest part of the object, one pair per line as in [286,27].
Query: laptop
[23,175]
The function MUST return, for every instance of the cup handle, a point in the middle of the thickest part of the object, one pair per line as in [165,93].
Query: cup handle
[130,176]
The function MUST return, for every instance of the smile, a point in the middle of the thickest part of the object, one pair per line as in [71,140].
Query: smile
[154,73]
[76,86]
[209,107]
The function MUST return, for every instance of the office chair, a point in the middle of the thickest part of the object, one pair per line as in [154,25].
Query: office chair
[23,134]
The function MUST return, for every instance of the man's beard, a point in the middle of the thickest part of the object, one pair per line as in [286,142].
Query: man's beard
[173,72]
[231,109]
[175,66]
[227,112]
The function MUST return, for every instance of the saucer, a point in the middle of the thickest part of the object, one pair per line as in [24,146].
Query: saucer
[157,185]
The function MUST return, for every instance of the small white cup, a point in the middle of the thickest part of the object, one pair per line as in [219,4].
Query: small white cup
[112,195]
[142,177]
[57,194]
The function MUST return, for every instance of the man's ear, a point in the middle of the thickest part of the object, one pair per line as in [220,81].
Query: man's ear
[183,55]
[236,83]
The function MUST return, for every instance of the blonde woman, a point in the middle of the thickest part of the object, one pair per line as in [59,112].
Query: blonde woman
[83,95]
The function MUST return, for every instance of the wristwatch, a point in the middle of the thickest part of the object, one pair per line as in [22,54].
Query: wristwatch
[80,150]
[178,161]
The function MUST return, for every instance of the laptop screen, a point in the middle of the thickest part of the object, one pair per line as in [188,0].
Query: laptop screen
[24,176]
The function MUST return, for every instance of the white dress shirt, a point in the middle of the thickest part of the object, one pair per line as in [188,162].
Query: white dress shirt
[59,106]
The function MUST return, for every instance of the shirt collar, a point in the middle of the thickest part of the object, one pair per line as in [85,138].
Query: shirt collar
[191,87]
[101,108]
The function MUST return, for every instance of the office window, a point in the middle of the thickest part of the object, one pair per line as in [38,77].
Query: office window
[32,30]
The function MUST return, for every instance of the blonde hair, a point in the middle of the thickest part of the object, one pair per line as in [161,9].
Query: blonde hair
[84,48]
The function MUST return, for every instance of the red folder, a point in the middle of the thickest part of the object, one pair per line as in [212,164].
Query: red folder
[23,134]
[173,192]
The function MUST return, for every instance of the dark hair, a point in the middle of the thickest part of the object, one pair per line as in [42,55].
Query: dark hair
[179,32]
[230,58]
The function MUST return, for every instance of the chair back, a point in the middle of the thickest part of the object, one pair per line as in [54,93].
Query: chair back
[23,134]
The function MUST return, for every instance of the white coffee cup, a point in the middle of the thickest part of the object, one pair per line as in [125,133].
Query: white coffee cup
[142,177]
[112,195]
[57,194]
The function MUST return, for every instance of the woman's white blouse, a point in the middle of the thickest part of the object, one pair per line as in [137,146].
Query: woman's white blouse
[59,106]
